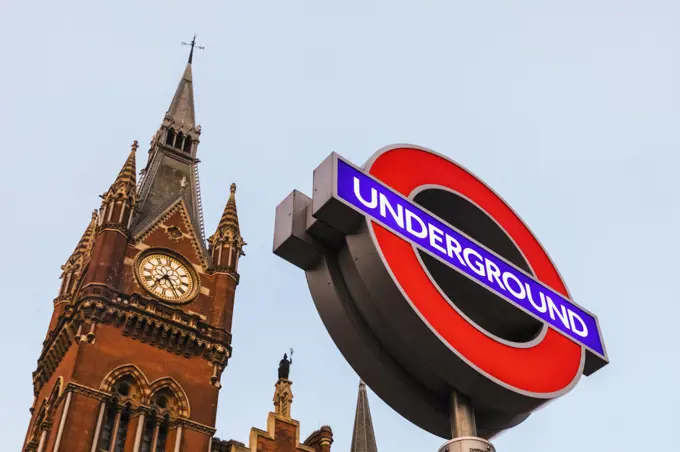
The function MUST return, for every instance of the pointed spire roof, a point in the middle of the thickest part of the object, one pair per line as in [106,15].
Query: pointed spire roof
[228,230]
[181,109]
[126,182]
[229,218]
[363,437]
[87,240]
[128,171]
[171,171]
[85,244]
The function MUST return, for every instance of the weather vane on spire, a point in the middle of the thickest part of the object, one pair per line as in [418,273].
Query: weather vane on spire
[192,44]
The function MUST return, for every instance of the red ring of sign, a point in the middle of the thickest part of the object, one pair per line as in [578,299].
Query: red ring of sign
[548,366]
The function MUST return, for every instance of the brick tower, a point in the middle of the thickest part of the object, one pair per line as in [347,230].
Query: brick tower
[140,332]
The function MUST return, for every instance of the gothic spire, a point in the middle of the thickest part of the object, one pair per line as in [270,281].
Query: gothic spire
[171,172]
[181,110]
[84,245]
[126,182]
[229,218]
[77,262]
[87,240]
[227,238]
[119,200]
[363,437]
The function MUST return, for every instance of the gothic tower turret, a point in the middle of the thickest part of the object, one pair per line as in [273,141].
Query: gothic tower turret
[141,327]
[120,199]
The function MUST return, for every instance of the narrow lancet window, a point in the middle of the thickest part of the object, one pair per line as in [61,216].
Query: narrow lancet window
[162,434]
[121,432]
[147,435]
[107,428]
[170,138]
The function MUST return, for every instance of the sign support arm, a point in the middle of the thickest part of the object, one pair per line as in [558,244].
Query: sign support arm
[463,427]
[462,416]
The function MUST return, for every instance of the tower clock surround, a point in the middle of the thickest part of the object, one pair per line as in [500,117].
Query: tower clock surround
[167,276]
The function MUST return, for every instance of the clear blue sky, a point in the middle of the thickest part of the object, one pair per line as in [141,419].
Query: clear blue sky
[570,110]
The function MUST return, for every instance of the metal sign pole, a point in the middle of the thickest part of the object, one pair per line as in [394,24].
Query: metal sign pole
[463,428]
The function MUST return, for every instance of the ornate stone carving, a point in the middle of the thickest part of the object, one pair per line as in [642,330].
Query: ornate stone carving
[283,398]
[175,233]
[141,319]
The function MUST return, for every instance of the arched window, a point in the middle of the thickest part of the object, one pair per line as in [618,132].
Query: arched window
[187,145]
[40,430]
[179,141]
[164,405]
[114,430]
[170,138]
[37,429]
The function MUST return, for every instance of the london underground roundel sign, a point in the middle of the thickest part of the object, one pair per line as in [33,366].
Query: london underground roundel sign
[429,282]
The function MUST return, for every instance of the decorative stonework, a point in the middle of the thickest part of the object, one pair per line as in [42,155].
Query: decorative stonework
[146,388]
[323,437]
[218,445]
[61,299]
[226,244]
[178,206]
[121,229]
[175,233]
[148,321]
[125,185]
[144,408]
[196,426]
[59,341]
[270,434]
[283,398]
[283,432]
[76,265]
[85,391]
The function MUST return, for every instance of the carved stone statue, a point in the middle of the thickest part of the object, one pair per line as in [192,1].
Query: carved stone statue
[284,367]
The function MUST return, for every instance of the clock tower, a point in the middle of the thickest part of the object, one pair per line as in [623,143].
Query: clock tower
[141,328]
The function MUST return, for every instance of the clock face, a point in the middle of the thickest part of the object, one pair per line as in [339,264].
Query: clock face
[166,277]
